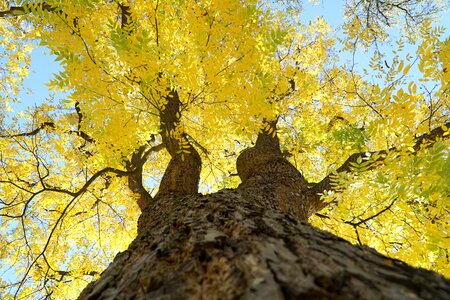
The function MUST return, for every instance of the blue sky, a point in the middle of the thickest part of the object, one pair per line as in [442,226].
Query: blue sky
[43,66]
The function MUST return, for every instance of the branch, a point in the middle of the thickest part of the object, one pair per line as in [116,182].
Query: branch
[86,137]
[15,11]
[356,224]
[31,133]
[126,18]
[79,132]
[75,195]
[88,182]
[135,165]
[197,144]
[182,175]
[12,12]
[76,272]
[34,132]
[432,136]
[426,139]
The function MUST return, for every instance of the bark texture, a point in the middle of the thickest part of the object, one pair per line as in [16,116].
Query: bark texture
[228,246]
[182,175]
[249,243]
[266,174]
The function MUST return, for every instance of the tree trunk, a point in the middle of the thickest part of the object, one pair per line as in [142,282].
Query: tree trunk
[249,243]
[230,245]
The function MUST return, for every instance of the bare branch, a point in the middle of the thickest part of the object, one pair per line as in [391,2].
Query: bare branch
[378,15]
[356,224]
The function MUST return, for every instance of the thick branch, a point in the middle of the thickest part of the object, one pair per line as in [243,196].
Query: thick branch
[126,19]
[12,11]
[421,141]
[431,137]
[182,175]
[135,165]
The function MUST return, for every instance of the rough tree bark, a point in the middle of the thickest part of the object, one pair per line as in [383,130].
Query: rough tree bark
[250,243]
[227,246]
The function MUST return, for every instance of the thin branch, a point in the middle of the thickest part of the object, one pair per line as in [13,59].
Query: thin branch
[156,23]
[75,196]
[31,133]
[79,132]
[373,216]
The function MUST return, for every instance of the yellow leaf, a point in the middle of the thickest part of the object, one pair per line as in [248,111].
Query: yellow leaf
[406,69]
[400,66]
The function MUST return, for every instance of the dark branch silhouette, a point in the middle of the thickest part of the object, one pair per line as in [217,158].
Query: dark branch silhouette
[79,132]
[30,133]
[135,165]
[14,11]
[424,140]
[358,223]
[126,18]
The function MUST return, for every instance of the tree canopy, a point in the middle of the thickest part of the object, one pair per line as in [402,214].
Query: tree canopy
[144,81]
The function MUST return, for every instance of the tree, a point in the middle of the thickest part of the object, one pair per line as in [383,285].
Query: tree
[172,94]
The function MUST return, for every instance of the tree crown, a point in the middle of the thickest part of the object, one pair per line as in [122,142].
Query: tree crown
[144,82]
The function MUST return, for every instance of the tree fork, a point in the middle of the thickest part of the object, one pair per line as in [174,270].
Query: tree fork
[265,171]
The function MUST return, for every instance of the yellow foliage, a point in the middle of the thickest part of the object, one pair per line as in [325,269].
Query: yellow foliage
[233,64]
